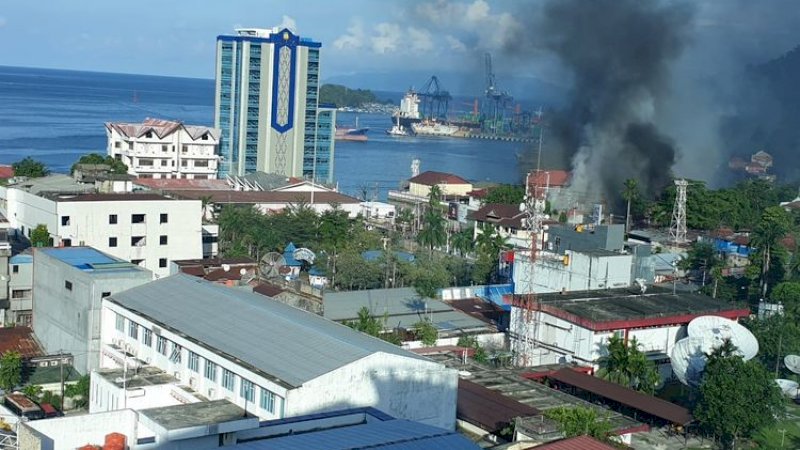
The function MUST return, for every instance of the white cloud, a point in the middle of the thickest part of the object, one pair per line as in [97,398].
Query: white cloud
[353,39]
[421,39]
[455,44]
[387,39]
[477,11]
[288,22]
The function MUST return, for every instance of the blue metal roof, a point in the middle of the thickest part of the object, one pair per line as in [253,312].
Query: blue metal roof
[22,258]
[83,258]
[288,255]
[390,434]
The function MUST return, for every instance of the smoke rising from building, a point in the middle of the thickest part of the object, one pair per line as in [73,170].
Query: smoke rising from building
[618,54]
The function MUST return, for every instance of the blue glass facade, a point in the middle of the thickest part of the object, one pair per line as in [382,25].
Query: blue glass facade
[323,158]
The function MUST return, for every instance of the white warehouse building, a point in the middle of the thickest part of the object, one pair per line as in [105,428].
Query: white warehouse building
[572,271]
[149,230]
[165,149]
[269,358]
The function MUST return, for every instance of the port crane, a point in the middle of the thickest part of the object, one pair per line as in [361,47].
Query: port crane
[434,100]
[497,99]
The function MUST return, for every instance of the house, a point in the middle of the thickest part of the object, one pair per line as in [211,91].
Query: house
[68,285]
[571,271]
[158,148]
[552,181]
[575,326]
[509,221]
[20,289]
[269,358]
[227,271]
[276,201]
[147,229]
[450,186]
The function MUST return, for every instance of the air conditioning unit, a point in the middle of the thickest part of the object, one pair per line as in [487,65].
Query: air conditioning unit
[211,393]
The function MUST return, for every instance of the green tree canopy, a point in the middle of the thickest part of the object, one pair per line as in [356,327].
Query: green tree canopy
[736,398]
[342,96]
[40,236]
[788,294]
[10,370]
[507,194]
[625,364]
[580,421]
[426,332]
[29,167]
[117,166]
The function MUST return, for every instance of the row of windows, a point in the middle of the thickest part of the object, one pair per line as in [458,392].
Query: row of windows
[113,219]
[138,241]
[174,352]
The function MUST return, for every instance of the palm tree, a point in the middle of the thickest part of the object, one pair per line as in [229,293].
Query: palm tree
[630,192]
[433,233]
[773,226]
[435,196]
[206,203]
[462,242]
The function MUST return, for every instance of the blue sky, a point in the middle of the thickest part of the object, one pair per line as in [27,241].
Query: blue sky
[171,37]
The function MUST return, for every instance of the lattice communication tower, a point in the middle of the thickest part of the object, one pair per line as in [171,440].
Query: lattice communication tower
[677,229]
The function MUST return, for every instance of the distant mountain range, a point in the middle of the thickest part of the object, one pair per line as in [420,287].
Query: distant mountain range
[528,90]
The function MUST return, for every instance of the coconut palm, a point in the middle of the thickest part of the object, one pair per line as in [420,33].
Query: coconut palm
[433,233]
[773,226]
[630,192]
[462,242]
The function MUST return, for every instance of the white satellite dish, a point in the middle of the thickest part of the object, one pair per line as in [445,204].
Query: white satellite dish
[792,362]
[242,271]
[688,359]
[788,387]
[717,329]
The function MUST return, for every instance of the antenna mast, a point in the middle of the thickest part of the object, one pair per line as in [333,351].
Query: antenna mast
[677,229]
[525,311]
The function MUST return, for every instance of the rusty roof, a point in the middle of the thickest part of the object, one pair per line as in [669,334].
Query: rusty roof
[649,404]
[488,409]
[575,443]
[109,197]
[552,178]
[6,171]
[20,339]
[255,197]
[268,289]
[183,183]
[431,178]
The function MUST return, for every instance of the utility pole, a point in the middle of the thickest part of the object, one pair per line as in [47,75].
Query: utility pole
[61,369]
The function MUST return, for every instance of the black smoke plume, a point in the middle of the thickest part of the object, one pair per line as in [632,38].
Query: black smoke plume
[618,54]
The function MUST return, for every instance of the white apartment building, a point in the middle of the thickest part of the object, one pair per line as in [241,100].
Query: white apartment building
[165,149]
[268,358]
[146,229]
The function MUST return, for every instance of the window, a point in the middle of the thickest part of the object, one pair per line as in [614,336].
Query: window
[68,285]
[162,262]
[164,162]
[149,134]
[164,218]
[66,242]
[15,268]
[194,362]
[175,356]
[162,240]
[112,219]
[183,163]
[228,379]
[120,323]
[184,148]
[267,401]
[161,345]
[145,162]
[138,241]
[117,144]
[164,148]
[137,218]
[211,371]
[133,330]
[65,221]
[130,145]
[201,163]
[21,293]
[246,390]
[147,337]
[105,294]
[112,242]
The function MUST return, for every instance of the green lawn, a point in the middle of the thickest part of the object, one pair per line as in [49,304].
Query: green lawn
[771,437]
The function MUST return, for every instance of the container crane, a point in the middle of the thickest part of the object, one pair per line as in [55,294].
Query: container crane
[434,100]
[498,100]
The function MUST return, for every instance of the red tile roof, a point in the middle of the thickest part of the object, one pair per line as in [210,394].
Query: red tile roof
[254,197]
[500,214]
[576,443]
[628,397]
[19,339]
[431,178]
[110,197]
[553,178]
[268,289]
[6,171]
[182,183]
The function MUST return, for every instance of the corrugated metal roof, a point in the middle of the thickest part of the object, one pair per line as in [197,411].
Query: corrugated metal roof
[576,443]
[390,434]
[288,344]
[403,307]
[88,259]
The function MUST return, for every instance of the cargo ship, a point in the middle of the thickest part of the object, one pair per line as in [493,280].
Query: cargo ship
[356,134]
[408,113]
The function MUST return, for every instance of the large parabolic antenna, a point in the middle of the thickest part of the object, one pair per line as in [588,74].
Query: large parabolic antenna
[788,387]
[792,362]
[705,333]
